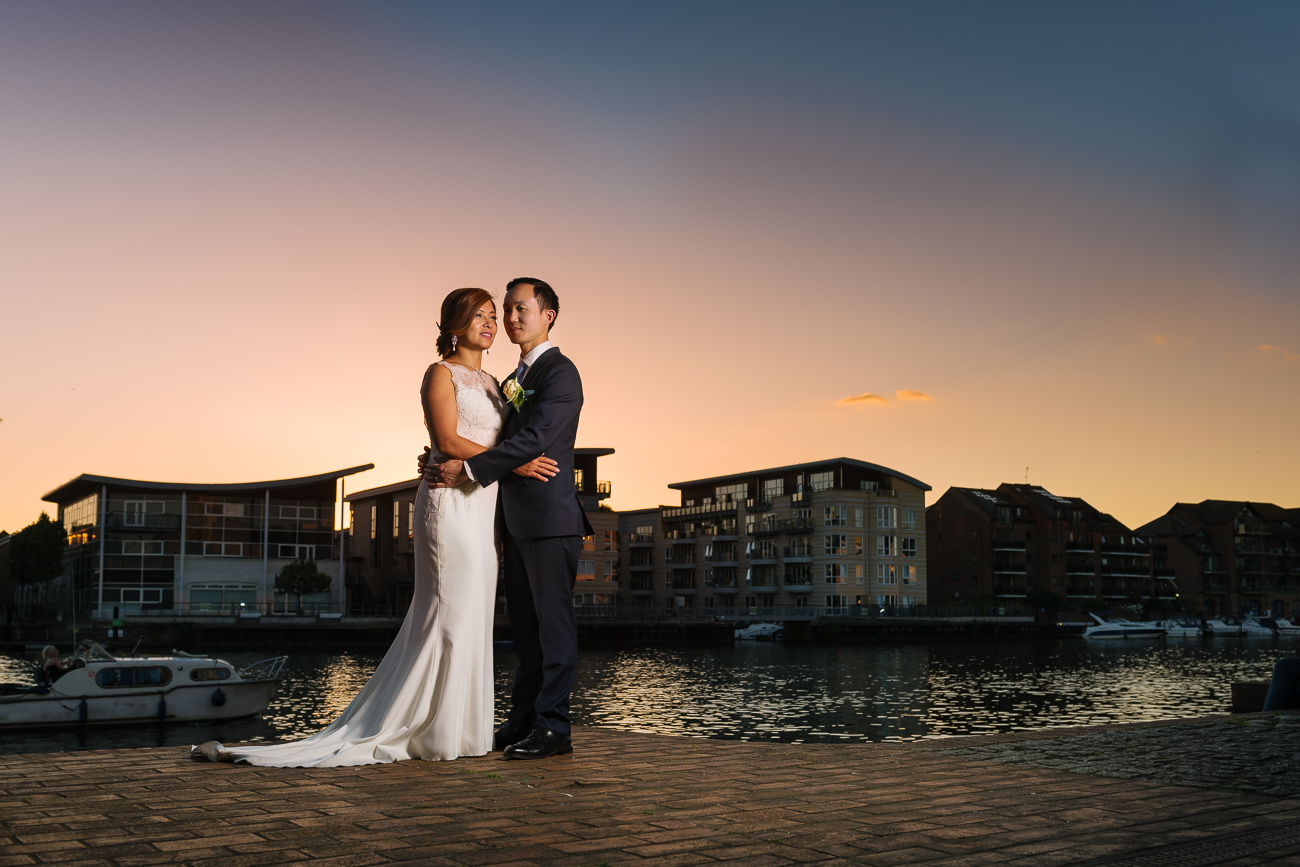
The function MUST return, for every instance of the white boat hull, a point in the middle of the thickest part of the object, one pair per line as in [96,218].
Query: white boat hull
[207,703]
[159,689]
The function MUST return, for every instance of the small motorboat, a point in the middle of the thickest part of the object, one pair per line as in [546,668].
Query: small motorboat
[1284,626]
[1255,627]
[1218,627]
[1182,626]
[101,689]
[1118,627]
[760,632]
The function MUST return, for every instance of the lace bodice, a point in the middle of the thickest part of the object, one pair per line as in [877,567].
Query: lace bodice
[480,409]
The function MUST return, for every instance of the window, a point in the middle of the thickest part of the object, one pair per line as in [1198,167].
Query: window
[834,573]
[397,518]
[133,547]
[773,488]
[228,510]
[909,574]
[300,513]
[837,544]
[410,519]
[909,519]
[611,540]
[887,517]
[886,546]
[858,515]
[856,545]
[837,603]
[731,493]
[835,516]
[208,674]
[586,570]
[134,511]
[821,481]
[909,547]
[886,573]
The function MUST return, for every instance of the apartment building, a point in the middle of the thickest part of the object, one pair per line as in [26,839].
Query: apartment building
[821,537]
[188,548]
[1230,556]
[1014,540]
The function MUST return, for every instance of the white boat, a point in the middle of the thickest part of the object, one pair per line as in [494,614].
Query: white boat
[1285,627]
[1181,626]
[760,632]
[106,690]
[1118,627]
[1253,627]
[1269,626]
[1217,627]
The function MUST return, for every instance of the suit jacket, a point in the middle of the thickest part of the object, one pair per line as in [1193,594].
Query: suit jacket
[546,424]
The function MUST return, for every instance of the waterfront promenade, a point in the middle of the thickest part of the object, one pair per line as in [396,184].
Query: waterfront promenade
[1215,790]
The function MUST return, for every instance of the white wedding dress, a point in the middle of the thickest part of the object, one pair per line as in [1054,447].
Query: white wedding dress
[431,696]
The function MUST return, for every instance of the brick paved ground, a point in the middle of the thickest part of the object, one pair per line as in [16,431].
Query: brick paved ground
[643,799]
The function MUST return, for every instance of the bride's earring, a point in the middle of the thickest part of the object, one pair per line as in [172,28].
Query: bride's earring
[453,343]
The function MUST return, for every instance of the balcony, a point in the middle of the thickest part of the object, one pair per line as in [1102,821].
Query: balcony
[764,559]
[765,528]
[640,539]
[797,555]
[641,567]
[680,537]
[683,565]
[688,512]
[1010,592]
[755,505]
[765,589]
[802,587]
[726,589]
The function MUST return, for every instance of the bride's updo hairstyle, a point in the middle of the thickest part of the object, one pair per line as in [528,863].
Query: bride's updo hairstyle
[458,310]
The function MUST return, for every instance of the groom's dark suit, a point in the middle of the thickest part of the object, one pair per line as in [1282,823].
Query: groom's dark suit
[544,524]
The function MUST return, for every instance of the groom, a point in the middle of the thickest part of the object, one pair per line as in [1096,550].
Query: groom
[543,520]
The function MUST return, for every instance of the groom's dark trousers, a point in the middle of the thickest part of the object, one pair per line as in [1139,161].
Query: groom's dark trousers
[543,524]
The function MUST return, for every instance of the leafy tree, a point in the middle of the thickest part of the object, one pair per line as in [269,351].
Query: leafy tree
[36,551]
[301,578]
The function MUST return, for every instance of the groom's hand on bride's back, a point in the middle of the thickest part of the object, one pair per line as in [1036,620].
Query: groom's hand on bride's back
[543,469]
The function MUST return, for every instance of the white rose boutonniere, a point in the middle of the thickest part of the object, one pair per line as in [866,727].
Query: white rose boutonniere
[515,394]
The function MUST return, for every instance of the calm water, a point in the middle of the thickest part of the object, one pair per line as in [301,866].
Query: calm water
[791,693]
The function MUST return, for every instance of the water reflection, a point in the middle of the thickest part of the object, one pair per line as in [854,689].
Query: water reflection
[788,693]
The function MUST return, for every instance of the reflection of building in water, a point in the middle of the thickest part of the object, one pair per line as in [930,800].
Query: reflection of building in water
[381,553]
[1017,540]
[819,537]
[191,549]
[1230,557]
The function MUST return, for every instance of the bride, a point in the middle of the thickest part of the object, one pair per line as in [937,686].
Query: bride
[431,696]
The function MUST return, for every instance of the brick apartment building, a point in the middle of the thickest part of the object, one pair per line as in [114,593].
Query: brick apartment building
[1010,542]
[1232,557]
[381,553]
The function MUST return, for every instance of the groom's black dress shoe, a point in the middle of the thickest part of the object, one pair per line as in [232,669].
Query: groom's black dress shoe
[505,736]
[541,744]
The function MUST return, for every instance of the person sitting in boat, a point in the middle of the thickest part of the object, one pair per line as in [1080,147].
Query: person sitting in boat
[1284,688]
[51,668]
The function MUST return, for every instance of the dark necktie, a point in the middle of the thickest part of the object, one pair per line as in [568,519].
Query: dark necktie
[520,371]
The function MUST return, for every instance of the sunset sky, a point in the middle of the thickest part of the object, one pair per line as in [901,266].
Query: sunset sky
[967,240]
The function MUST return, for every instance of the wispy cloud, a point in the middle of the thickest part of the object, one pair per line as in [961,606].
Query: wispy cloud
[912,394]
[860,399]
[1270,348]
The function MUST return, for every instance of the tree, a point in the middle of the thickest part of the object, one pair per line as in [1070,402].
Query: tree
[301,577]
[36,551]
